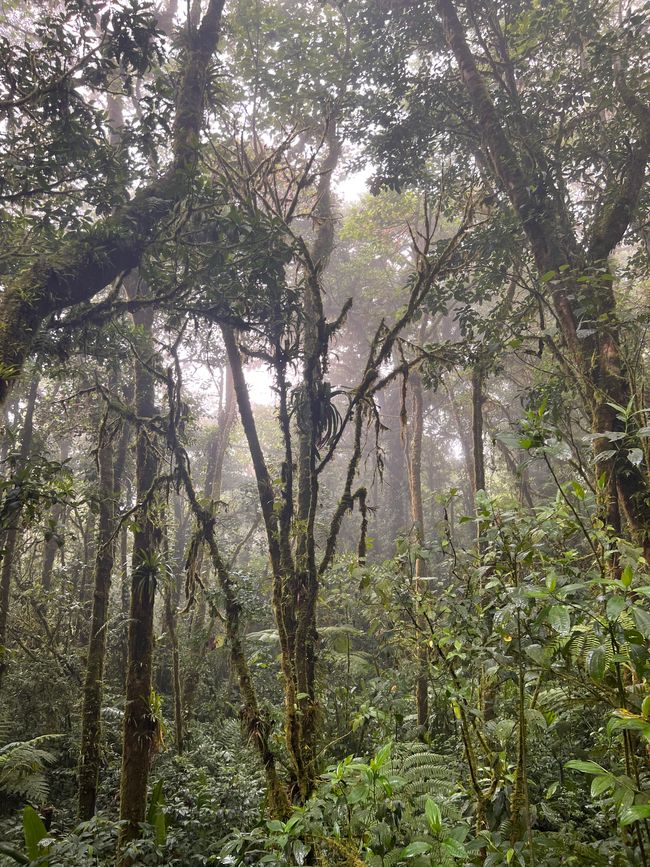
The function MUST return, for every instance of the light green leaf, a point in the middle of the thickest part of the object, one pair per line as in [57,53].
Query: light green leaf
[627,576]
[560,619]
[635,814]
[615,604]
[601,784]
[434,816]
[585,767]
[419,847]
[34,831]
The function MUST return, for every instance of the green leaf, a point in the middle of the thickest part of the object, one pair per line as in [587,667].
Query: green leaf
[600,784]
[645,707]
[596,662]
[454,848]
[417,848]
[560,619]
[642,620]
[547,277]
[551,790]
[585,767]
[615,604]
[635,814]
[627,576]
[275,826]
[578,490]
[434,816]
[156,815]
[34,831]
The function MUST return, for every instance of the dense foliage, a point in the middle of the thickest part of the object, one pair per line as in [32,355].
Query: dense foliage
[324,489]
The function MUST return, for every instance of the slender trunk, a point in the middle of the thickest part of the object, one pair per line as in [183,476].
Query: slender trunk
[51,547]
[170,620]
[90,554]
[212,491]
[281,561]
[311,416]
[9,538]
[414,434]
[468,460]
[394,515]
[124,600]
[111,464]
[139,722]
[89,754]
[478,456]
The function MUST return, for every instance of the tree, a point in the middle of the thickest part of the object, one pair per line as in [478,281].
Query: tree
[89,260]
[502,111]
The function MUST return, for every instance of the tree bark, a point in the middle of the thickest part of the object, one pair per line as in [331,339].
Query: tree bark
[170,620]
[413,444]
[478,454]
[111,463]
[139,722]
[9,538]
[89,753]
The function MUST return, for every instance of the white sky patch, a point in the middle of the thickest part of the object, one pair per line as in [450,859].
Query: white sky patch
[260,385]
[354,185]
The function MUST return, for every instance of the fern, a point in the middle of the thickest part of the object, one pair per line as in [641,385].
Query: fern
[23,768]
[427,774]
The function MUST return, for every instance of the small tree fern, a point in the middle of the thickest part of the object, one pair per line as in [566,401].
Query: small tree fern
[23,767]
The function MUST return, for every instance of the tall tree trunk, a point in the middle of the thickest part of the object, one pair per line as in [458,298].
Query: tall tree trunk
[111,464]
[139,722]
[9,535]
[89,754]
[413,446]
[54,543]
[478,455]
[170,621]
[394,512]
[51,546]
[125,602]
[314,402]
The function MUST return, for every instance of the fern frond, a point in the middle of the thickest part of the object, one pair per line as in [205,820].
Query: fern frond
[22,768]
